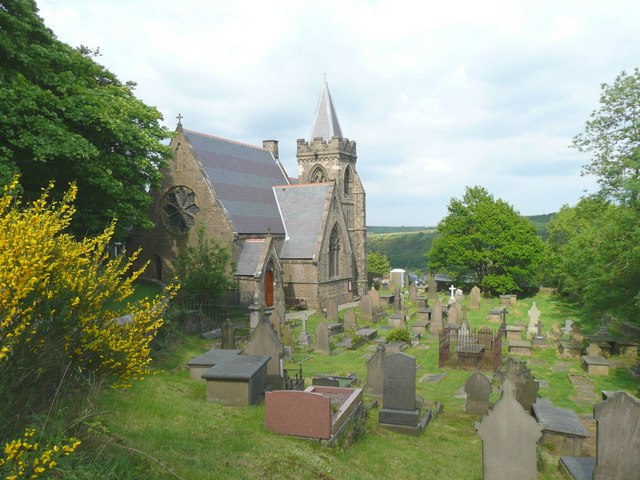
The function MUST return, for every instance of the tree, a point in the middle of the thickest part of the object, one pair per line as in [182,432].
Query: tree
[67,118]
[612,136]
[202,269]
[488,239]
[594,257]
[378,263]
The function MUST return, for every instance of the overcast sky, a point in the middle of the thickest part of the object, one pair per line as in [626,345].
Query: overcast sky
[437,94]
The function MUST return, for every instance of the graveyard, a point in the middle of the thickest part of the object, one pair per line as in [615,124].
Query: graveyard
[169,418]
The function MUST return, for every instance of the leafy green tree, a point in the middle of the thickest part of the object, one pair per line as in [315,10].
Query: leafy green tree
[378,263]
[67,118]
[202,269]
[594,257]
[488,239]
[612,137]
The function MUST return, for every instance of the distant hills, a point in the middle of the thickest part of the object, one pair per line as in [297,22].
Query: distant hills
[405,247]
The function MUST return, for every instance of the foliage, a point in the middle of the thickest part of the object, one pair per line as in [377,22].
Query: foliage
[594,257]
[23,457]
[399,335]
[378,230]
[378,263]
[202,269]
[612,137]
[487,238]
[403,250]
[58,329]
[67,118]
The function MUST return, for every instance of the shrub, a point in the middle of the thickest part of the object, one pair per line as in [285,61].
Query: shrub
[399,335]
[61,328]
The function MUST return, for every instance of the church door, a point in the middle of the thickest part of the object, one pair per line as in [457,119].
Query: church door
[268,288]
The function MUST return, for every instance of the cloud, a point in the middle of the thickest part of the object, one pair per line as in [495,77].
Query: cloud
[438,95]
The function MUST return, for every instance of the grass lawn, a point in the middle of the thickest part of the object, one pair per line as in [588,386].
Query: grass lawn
[168,418]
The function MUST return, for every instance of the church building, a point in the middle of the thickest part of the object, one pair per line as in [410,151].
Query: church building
[299,241]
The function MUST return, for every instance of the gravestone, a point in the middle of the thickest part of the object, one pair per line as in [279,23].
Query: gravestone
[277,316]
[399,408]
[374,384]
[432,287]
[478,388]
[304,339]
[458,294]
[265,341]
[323,339]
[618,437]
[255,312]
[568,327]
[375,300]
[455,313]
[397,320]
[287,337]
[413,291]
[474,298]
[539,339]
[397,301]
[509,436]
[534,316]
[593,350]
[436,317]
[228,335]
[517,372]
[350,322]
[332,310]
[365,308]
[452,289]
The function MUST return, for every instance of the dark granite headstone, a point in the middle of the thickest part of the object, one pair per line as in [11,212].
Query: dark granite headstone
[399,396]
[520,376]
[478,389]
[375,372]
[228,335]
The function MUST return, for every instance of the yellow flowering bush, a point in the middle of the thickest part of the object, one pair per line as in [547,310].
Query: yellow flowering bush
[61,303]
[23,457]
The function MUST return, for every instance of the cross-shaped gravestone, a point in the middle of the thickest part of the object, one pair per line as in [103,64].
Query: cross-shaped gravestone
[452,289]
[540,325]
[304,322]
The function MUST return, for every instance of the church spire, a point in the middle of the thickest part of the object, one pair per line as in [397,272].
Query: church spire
[326,123]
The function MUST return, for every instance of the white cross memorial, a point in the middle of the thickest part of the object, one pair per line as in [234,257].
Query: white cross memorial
[452,289]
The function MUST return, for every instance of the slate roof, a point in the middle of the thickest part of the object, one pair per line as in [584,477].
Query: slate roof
[326,123]
[302,225]
[251,252]
[242,176]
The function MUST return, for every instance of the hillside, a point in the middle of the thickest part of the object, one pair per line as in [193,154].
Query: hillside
[405,247]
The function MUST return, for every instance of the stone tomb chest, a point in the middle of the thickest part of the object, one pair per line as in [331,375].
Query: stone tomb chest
[200,364]
[520,347]
[238,381]
[595,365]
[319,412]
[569,349]
[560,426]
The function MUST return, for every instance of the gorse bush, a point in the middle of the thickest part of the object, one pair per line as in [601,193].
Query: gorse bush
[60,329]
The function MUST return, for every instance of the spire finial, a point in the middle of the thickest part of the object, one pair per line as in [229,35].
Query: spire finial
[179,117]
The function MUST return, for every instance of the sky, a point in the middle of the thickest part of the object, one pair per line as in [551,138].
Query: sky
[438,95]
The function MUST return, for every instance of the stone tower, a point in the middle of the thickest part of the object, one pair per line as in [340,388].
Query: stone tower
[329,157]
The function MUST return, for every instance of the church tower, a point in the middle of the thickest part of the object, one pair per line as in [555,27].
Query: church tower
[327,156]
